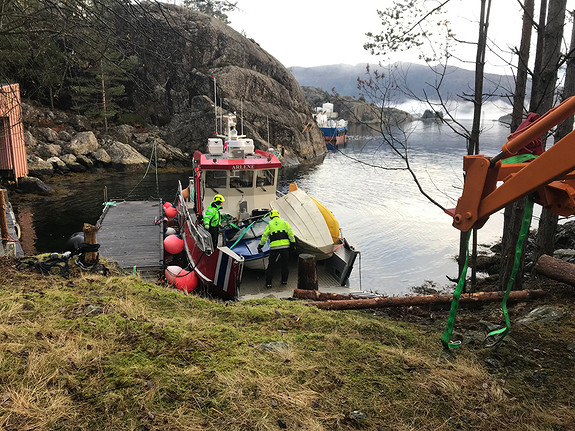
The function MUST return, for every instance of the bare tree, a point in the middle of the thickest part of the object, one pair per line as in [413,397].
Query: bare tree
[413,34]
[513,214]
[544,99]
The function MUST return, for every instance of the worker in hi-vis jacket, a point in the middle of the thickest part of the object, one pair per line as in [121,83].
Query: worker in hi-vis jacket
[281,239]
[212,218]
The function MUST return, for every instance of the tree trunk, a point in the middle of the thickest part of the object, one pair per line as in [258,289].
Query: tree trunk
[556,269]
[322,296]
[408,301]
[538,57]
[522,65]
[545,240]
[473,147]
[513,214]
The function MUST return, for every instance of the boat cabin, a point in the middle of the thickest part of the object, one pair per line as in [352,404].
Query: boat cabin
[245,177]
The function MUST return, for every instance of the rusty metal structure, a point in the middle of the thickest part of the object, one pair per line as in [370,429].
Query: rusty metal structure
[489,185]
[13,162]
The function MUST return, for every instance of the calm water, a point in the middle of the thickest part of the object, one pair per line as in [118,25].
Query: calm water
[404,240]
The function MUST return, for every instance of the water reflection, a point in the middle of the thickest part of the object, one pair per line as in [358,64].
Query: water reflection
[403,238]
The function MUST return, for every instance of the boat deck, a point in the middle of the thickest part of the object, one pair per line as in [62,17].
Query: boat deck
[129,237]
[253,282]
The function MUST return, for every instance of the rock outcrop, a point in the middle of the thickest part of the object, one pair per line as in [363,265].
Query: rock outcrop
[198,51]
[65,146]
[183,55]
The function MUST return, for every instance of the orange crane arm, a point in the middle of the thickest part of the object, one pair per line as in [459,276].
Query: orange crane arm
[551,176]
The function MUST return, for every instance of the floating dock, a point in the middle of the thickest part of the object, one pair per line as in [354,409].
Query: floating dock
[129,236]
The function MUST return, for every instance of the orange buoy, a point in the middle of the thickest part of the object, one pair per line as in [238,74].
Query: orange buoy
[171,212]
[186,193]
[187,281]
[171,273]
[173,244]
[167,205]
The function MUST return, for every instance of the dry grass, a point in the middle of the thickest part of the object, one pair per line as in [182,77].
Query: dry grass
[95,353]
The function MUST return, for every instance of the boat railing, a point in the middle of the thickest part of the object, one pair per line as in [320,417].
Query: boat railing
[202,237]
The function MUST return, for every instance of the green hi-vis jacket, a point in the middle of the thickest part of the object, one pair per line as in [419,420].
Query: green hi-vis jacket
[279,232]
[212,215]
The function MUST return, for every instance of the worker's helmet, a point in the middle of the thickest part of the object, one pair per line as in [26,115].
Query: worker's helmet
[219,199]
[274,213]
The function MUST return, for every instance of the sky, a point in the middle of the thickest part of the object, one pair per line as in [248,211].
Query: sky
[318,32]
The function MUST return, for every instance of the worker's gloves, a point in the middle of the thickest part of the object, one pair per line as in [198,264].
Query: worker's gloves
[260,248]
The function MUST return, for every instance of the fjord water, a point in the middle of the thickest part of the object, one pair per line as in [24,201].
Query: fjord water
[404,239]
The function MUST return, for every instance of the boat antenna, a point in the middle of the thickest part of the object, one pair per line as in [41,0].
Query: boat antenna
[268,125]
[215,105]
[221,116]
[242,116]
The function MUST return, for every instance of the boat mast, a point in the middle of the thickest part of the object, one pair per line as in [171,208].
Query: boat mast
[242,115]
[215,106]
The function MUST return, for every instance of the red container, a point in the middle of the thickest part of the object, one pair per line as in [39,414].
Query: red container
[12,149]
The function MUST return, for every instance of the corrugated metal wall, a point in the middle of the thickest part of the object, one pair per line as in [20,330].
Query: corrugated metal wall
[12,148]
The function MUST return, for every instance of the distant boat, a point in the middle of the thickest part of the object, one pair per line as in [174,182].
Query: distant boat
[334,130]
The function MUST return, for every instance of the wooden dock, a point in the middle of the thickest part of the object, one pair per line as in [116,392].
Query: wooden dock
[129,237]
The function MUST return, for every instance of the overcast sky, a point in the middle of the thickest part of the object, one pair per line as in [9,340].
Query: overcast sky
[319,32]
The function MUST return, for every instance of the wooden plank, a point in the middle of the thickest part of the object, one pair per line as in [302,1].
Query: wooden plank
[129,236]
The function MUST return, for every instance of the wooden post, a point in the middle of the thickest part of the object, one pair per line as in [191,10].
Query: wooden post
[306,272]
[3,219]
[90,257]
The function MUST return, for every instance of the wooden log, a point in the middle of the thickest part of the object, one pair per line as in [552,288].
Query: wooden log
[556,269]
[3,218]
[406,301]
[90,257]
[321,296]
[306,272]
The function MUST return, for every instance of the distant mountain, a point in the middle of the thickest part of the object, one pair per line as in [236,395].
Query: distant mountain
[420,79]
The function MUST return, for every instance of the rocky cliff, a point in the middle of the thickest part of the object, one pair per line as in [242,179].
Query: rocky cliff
[183,53]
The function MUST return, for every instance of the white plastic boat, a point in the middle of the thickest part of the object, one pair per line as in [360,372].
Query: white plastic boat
[307,222]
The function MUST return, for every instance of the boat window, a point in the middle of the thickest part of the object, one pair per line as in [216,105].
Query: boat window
[216,179]
[265,177]
[241,178]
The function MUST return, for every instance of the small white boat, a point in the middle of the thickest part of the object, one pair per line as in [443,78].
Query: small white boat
[307,222]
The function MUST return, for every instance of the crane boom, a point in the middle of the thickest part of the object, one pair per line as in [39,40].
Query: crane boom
[490,185]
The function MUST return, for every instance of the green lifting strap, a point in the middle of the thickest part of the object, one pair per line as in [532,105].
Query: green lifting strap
[446,337]
[242,235]
[246,229]
[499,334]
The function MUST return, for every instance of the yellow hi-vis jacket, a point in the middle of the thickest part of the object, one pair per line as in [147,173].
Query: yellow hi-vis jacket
[212,215]
[279,232]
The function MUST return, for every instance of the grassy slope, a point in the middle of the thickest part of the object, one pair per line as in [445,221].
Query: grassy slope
[116,353]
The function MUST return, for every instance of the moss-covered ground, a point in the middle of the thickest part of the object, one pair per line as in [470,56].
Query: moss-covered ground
[116,353]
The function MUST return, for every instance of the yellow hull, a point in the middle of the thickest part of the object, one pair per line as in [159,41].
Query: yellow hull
[330,220]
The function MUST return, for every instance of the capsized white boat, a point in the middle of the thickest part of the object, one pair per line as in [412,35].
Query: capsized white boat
[307,222]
